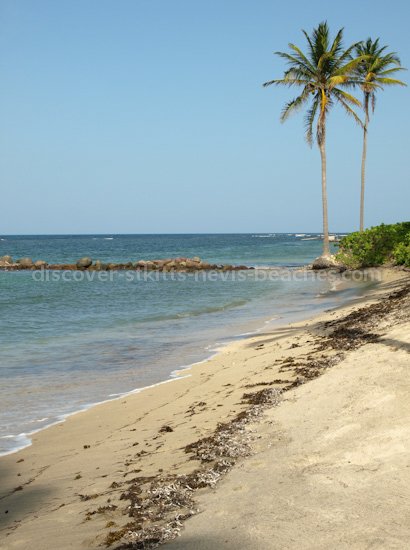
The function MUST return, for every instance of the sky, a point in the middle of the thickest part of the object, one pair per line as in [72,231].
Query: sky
[149,116]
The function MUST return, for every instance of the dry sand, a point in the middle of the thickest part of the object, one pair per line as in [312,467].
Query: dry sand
[328,466]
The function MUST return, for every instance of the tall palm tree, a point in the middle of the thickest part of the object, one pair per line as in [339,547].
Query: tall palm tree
[373,73]
[322,73]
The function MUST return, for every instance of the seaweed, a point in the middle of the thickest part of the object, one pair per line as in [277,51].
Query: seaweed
[159,504]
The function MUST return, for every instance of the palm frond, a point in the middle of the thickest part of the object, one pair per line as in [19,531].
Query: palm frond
[321,39]
[349,67]
[301,56]
[349,98]
[390,82]
[337,80]
[310,120]
[294,61]
[391,71]
[286,82]
[346,56]
[337,42]
[310,45]
[294,105]
[341,99]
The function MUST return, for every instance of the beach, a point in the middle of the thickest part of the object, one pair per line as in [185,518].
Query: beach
[295,438]
[204,305]
[71,339]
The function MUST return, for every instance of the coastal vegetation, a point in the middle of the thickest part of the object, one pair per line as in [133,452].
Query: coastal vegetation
[384,244]
[373,73]
[324,73]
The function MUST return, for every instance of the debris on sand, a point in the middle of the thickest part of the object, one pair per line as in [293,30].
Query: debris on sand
[158,505]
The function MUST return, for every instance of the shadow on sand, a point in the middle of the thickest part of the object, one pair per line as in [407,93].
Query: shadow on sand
[20,495]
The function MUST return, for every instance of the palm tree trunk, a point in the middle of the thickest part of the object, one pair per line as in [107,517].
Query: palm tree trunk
[326,249]
[364,154]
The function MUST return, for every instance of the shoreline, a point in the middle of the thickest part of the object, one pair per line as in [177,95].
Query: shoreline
[214,349]
[56,481]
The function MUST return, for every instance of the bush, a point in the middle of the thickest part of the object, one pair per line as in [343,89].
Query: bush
[376,246]
[401,253]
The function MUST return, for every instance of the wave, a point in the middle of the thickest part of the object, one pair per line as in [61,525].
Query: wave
[196,312]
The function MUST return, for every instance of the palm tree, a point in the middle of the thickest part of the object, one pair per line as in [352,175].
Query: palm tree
[322,72]
[373,73]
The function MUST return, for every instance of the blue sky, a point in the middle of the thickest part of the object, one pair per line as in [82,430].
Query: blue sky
[148,116]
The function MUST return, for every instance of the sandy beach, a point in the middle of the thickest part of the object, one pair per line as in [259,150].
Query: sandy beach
[297,438]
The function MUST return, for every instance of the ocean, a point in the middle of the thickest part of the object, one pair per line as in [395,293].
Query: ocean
[66,344]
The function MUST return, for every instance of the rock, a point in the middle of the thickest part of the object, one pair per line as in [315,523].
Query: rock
[147,264]
[6,259]
[40,263]
[62,267]
[25,263]
[160,264]
[181,264]
[191,264]
[85,262]
[140,264]
[326,262]
[100,266]
[165,429]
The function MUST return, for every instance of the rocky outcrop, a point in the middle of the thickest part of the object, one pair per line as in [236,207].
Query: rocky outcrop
[180,264]
[85,262]
[327,262]
[25,263]
[40,264]
[6,261]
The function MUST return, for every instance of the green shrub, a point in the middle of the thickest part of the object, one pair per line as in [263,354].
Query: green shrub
[376,246]
[401,253]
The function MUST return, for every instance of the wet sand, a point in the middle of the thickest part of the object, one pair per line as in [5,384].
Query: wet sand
[279,410]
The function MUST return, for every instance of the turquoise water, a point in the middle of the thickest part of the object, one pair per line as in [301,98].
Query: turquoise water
[66,344]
